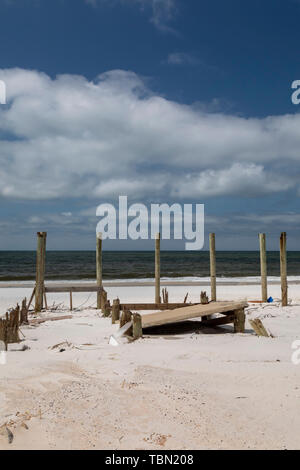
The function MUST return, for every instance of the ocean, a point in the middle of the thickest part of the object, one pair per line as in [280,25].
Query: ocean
[127,265]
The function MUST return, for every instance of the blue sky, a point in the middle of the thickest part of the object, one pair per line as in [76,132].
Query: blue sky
[163,100]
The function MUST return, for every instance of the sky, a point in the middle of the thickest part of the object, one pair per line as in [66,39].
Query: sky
[165,101]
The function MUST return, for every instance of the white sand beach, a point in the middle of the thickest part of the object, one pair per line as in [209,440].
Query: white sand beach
[179,388]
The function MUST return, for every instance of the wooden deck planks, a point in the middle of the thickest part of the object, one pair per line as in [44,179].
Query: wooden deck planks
[186,313]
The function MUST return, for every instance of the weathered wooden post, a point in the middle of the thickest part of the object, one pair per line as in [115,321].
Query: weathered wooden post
[157,268]
[263,267]
[40,270]
[137,330]
[115,311]
[212,253]
[283,270]
[99,266]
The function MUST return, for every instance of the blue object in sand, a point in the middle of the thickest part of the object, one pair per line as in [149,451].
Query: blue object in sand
[270,300]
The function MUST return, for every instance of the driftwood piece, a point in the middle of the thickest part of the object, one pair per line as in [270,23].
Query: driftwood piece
[258,327]
[37,321]
[185,299]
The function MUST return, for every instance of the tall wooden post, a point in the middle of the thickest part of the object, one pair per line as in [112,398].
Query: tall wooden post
[263,267]
[157,268]
[283,270]
[99,266]
[213,279]
[40,270]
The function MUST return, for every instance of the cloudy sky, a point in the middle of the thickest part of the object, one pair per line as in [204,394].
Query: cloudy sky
[183,101]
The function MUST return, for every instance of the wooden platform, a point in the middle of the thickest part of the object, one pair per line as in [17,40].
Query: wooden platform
[233,313]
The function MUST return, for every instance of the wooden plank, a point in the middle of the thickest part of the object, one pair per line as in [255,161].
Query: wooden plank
[146,306]
[73,288]
[186,313]
[37,321]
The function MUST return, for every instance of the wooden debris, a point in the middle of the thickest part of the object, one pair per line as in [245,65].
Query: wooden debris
[137,331]
[9,327]
[37,321]
[125,317]
[204,298]
[185,299]
[165,295]
[258,327]
[107,309]
[115,311]
[24,313]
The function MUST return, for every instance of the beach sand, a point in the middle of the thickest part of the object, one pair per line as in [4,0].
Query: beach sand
[176,389]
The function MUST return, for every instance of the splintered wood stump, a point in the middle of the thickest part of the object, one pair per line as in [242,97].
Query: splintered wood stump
[165,295]
[107,309]
[125,317]
[9,327]
[115,311]
[137,331]
[204,298]
[103,299]
[24,313]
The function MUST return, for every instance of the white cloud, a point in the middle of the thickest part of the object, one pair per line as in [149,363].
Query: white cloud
[69,137]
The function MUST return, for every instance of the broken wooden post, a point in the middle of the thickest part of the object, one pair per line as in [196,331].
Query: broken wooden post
[107,309]
[258,327]
[9,327]
[115,312]
[99,266]
[283,270]
[263,267]
[165,295]
[103,299]
[40,270]
[204,298]
[157,269]
[239,320]
[24,313]
[137,330]
[125,317]
[212,252]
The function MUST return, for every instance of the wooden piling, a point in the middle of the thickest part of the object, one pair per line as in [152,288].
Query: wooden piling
[137,331]
[239,320]
[99,266]
[263,267]
[40,270]
[283,270]
[115,312]
[157,268]
[213,280]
